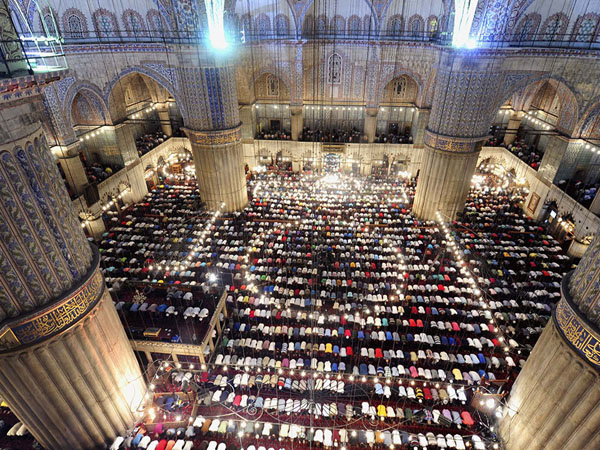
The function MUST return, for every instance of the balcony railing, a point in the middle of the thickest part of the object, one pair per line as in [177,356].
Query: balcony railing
[29,55]
[538,40]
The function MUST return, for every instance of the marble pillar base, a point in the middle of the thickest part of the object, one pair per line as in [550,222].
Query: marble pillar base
[444,182]
[555,402]
[219,160]
[68,372]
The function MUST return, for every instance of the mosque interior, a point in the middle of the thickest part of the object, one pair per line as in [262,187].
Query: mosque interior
[299,224]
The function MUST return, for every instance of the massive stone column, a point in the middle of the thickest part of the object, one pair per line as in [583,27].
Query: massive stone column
[63,141]
[555,401]
[70,162]
[557,148]
[419,125]
[514,122]
[247,119]
[371,123]
[213,126]
[164,117]
[466,97]
[67,370]
[297,116]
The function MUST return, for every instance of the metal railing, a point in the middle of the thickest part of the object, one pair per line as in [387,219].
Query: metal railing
[509,40]
[29,55]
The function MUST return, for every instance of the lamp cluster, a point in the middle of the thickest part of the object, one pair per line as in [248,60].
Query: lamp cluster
[138,114]
[534,120]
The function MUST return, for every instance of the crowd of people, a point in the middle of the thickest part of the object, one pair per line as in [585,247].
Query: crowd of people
[583,193]
[97,173]
[349,323]
[526,153]
[274,135]
[148,141]
[177,311]
[394,138]
[352,135]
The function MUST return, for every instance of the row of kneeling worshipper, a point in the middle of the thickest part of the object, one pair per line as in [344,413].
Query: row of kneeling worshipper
[216,434]
[327,283]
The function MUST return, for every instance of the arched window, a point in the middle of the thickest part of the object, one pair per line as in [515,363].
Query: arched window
[272,86]
[133,23]
[105,22]
[586,29]
[75,26]
[555,27]
[395,26]
[528,27]
[155,21]
[400,87]
[263,25]
[49,23]
[334,69]
[338,25]
[322,25]
[246,24]
[354,25]
[282,25]
[444,24]
[415,26]
[308,27]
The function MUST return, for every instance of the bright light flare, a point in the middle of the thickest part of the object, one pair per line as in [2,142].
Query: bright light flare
[332,179]
[216,28]
[464,11]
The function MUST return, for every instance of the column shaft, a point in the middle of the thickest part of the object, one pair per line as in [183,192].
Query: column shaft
[553,156]
[555,402]
[220,169]
[67,370]
[165,118]
[74,172]
[445,177]
[513,127]
[247,118]
[371,124]
[419,125]
[467,95]
[297,121]
[84,382]
[214,129]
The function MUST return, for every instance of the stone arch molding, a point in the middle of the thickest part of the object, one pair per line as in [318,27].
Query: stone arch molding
[389,75]
[588,118]
[164,76]
[274,70]
[571,100]
[88,89]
